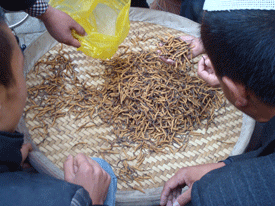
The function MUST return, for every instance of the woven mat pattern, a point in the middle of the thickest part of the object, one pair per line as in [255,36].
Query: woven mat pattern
[212,145]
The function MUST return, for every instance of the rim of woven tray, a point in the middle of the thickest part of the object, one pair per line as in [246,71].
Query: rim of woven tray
[64,135]
[148,192]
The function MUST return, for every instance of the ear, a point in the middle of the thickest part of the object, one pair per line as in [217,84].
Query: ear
[237,91]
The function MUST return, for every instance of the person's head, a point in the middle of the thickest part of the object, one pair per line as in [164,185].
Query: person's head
[12,82]
[241,47]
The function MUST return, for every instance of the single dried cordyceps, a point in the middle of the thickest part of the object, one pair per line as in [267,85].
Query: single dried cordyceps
[151,105]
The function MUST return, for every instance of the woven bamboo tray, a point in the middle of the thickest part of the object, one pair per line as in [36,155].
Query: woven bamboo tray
[212,145]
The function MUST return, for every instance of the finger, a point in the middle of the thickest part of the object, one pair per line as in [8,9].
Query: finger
[170,199]
[201,64]
[79,160]
[169,203]
[195,45]
[168,61]
[184,198]
[98,168]
[176,194]
[93,162]
[26,148]
[187,39]
[209,65]
[26,165]
[78,28]
[171,184]
[179,190]
[74,42]
[69,168]
[165,194]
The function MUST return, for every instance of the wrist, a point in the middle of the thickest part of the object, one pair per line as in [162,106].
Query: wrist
[43,17]
[220,164]
[38,8]
[97,202]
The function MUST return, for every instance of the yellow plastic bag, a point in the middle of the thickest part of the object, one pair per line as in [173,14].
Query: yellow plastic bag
[105,21]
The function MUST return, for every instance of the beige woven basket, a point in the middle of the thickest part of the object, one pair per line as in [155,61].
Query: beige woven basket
[213,145]
[64,139]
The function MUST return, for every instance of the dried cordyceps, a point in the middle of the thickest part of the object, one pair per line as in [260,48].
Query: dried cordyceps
[150,104]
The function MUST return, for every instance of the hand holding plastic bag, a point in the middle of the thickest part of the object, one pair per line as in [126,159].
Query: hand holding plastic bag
[106,23]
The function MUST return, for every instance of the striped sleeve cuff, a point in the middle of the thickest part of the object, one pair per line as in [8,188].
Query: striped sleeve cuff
[81,198]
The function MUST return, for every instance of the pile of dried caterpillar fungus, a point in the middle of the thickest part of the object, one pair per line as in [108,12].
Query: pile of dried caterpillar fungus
[152,106]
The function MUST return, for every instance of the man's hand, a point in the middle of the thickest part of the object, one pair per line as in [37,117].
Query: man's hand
[87,173]
[60,25]
[206,71]
[195,44]
[171,193]
[25,150]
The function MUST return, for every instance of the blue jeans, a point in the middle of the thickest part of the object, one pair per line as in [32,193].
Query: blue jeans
[111,195]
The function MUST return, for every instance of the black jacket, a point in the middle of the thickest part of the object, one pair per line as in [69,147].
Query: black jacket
[24,189]
[10,155]
[16,5]
[247,179]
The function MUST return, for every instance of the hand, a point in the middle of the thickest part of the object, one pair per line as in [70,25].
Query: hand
[87,173]
[25,150]
[206,71]
[60,25]
[195,44]
[171,193]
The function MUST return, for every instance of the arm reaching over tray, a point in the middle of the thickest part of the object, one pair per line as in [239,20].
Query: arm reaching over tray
[58,23]
[60,26]
[186,176]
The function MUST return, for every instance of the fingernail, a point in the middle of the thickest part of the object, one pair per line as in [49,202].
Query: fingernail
[69,157]
[176,203]
[161,202]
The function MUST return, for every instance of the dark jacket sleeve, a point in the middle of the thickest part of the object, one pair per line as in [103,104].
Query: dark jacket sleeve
[16,5]
[10,154]
[267,145]
[249,182]
[241,157]
[266,149]
[38,190]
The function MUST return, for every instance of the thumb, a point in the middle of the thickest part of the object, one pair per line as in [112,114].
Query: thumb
[78,28]
[188,39]
[26,148]
[74,42]
[69,169]
[184,198]
[201,67]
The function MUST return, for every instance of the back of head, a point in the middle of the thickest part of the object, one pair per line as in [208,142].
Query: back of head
[5,53]
[241,45]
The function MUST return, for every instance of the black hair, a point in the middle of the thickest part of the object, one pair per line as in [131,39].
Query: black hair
[6,76]
[241,46]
